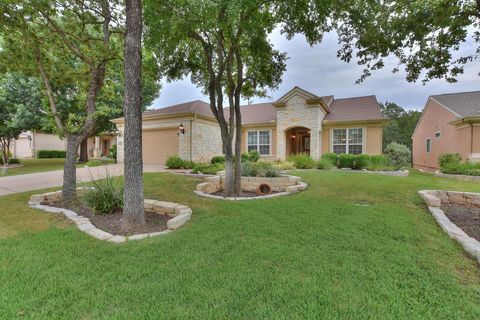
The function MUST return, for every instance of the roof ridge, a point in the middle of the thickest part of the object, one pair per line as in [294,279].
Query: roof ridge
[369,95]
[452,93]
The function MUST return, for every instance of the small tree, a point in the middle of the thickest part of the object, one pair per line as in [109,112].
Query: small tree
[20,109]
[398,154]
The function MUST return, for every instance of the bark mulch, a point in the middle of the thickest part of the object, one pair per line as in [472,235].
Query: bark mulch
[112,223]
[466,217]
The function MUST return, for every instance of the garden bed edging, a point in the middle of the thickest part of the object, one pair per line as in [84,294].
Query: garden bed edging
[434,199]
[181,214]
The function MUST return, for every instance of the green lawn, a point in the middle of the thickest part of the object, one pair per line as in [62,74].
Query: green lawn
[42,165]
[352,246]
[36,165]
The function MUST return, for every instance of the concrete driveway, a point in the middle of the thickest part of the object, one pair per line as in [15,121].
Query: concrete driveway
[49,179]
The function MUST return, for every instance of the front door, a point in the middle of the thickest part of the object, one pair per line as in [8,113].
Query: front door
[106,147]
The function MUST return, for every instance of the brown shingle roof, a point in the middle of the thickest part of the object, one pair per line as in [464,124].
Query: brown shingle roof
[196,107]
[355,109]
[463,104]
[348,109]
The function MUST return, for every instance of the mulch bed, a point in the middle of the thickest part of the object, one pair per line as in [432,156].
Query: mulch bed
[246,194]
[112,223]
[466,217]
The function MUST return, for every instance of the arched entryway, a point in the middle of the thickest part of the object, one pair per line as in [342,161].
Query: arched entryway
[297,140]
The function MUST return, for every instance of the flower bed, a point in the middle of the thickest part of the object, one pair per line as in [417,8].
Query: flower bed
[280,186]
[177,214]
[438,199]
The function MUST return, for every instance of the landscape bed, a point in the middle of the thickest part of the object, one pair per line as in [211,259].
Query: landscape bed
[162,217]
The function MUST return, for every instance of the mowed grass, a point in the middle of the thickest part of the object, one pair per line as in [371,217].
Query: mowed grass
[352,246]
[36,165]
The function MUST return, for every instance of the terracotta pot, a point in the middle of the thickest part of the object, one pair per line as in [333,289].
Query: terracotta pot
[264,189]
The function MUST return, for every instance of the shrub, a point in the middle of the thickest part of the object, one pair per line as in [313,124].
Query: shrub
[175,162]
[469,168]
[325,164]
[346,160]
[112,153]
[302,161]
[362,161]
[248,169]
[378,163]
[10,161]
[398,154]
[252,156]
[104,196]
[331,157]
[218,159]
[285,165]
[267,169]
[447,159]
[208,168]
[44,154]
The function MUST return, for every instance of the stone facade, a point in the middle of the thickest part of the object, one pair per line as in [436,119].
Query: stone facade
[207,141]
[297,113]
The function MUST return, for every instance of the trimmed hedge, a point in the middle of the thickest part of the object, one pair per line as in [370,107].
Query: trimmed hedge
[218,159]
[346,160]
[448,159]
[45,154]
[10,161]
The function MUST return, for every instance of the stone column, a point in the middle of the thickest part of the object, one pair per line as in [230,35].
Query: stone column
[315,143]
[281,143]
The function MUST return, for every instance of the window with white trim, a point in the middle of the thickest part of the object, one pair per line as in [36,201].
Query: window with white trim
[428,144]
[347,141]
[259,140]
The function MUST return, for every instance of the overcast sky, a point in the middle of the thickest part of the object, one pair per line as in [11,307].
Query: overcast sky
[318,70]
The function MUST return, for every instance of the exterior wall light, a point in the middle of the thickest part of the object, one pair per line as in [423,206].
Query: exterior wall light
[181,129]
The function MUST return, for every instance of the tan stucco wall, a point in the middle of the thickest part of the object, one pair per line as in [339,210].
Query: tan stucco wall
[372,139]
[452,139]
[273,137]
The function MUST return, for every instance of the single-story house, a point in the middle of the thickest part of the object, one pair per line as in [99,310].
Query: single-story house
[299,121]
[449,123]
[29,142]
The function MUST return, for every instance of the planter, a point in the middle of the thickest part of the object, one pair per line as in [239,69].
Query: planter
[279,186]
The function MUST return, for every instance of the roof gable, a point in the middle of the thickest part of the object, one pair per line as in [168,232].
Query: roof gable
[462,104]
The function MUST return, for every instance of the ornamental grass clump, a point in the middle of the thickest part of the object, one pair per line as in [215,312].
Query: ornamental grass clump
[104,196]
[302,161]
[346,160]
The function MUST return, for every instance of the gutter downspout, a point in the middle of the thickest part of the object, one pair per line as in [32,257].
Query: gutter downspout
[191,135]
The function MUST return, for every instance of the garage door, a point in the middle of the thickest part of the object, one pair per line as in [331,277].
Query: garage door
[158,145]
[22,148]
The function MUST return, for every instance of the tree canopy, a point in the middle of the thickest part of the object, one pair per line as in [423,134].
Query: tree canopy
[401,124]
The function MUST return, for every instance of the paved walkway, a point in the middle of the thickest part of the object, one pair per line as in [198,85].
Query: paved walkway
[49,179]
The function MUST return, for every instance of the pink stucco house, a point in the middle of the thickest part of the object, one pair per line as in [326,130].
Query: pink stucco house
[449,123]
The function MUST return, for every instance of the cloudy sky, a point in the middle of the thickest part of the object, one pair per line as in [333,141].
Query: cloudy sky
[317,69]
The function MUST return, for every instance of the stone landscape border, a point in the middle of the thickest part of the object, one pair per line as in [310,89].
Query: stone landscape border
[396,173]
[462,177]
[434,199]
[284,185]
[181,214]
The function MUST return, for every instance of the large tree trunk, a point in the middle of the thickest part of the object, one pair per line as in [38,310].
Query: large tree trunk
[133,211]
[5,148]
[70,170]
[229,178]
[238,151]
[83,151]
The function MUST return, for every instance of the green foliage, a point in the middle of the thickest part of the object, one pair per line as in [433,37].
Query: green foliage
[379,163]
[104,196]
[301,161]
[325,163]
[346,160]
[252,156]
[331,157]
[44,154]
[99,162]
[285,165]
[218,159]
[399,155]
[266,169]
[249,169]
[208,168]
[401,124]
[362,161]
[469,168]
[447,159]
[421,34]
[175,162]
[112,153]
[10,161]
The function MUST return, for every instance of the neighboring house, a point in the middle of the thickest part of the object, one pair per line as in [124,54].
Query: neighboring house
[29,142]
[298,122]
[449,123]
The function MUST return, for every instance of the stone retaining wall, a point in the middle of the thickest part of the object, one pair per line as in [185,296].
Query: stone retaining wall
[457,176]
[180,215]
[284,185]
[434,200]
